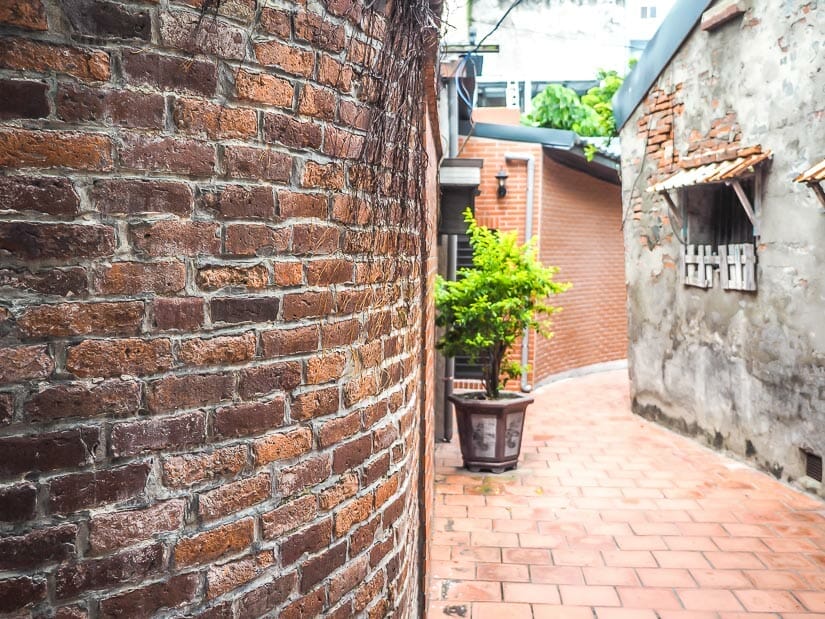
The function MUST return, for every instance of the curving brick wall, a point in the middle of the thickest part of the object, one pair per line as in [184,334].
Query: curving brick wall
[210,388]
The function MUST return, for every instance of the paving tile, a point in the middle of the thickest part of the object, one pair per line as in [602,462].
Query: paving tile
[612,517]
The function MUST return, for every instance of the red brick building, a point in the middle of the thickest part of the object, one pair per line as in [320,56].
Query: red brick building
[577,218]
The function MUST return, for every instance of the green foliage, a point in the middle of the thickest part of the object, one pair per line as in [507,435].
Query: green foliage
[486,310]
[558,107]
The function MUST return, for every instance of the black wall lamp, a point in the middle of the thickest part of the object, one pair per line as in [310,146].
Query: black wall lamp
[502,177]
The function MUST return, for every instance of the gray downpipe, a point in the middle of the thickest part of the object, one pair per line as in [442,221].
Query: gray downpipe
[449,362]
[528,232]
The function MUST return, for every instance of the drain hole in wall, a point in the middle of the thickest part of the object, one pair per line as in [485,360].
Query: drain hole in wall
[813,466]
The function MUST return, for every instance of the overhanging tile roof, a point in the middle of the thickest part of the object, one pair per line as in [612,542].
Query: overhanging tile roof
[813,175]
[716,172]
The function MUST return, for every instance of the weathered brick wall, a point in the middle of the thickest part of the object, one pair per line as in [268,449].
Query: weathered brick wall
[209,386]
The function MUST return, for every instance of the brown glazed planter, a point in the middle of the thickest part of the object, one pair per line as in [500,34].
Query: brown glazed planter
[490,430]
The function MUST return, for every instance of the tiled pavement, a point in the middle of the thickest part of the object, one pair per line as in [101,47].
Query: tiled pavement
[611,517]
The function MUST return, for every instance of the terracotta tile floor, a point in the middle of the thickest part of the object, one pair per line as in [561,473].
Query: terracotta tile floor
[609,516]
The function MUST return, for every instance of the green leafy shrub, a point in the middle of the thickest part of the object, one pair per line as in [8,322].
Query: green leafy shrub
[488,307]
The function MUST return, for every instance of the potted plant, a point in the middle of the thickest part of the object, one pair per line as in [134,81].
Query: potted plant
[483,313]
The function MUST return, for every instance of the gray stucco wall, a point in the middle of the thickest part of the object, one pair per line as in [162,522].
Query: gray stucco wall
[742,371]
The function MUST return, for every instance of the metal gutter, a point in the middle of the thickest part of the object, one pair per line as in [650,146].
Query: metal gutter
[556,138]
[677,26]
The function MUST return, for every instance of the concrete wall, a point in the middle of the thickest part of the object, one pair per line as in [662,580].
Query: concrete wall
[211,385]
[743,371]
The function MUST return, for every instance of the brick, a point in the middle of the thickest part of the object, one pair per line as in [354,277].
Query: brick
[169,72]
[214,121]
[289,516]
[22,148]
[265,379]
[148,600]
[310,605]
[80,104]
[291,132]
[316,403]
[354,115]
[315,239]
[346,487]
[342,144]
[172,238]
[23,99]
[282,446]
[256,240]
[263,599]
[342,333]
[210,545]
[257,164]
[241,202]
[360,389]
[368,591]
[228,576]
[17,593]
[191,391]
[350,455]
[316,569]
[135,437]
[263,88]
[393,512]
[60,282]
[123,568]
[140,196]
[363,537]
[136,278]
[293,204]
[322,176]
[320,33]
[335,74]
[380,550]
[311,539]
[70,493]
[189,469]
[328,272]
[47,451]
[106,358]
[375,470]
[325,368]
[24,363]
[307,305]
[185,31]
[164,154]
[287,273]
[317,102]
[17,503]
[45,241]
[26,55]
[28,14]
[347,579]
[110,531]
[248,419]
[385,491]
[105,20]
[6,408]
[230,498]
[41,546]
[336,430]
[67,319]
[305,474]
[239,309]
[285,342]
[277,22]
[114,398]
[288,58]
[352,513]
[220,350]
[217,277]
[183,313]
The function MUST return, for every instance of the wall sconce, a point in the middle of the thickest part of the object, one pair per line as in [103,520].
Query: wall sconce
[502,177]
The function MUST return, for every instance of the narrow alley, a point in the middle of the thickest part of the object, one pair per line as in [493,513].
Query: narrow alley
[609,516]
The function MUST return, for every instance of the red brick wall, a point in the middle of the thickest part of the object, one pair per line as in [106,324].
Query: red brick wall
[578,220]
[209,392]
[581,233]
